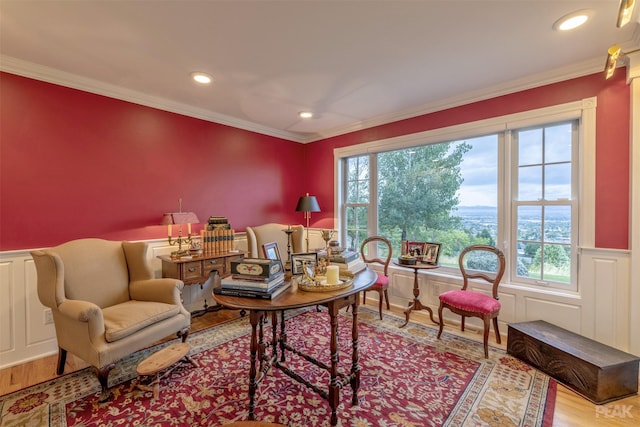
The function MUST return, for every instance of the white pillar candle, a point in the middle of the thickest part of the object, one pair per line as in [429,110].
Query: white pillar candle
[332,275]
[169,230]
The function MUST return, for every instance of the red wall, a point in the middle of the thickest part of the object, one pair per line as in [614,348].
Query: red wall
[74,164]
[612,143]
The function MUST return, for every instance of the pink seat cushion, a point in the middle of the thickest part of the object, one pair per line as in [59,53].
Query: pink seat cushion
[382,280]
[470,301]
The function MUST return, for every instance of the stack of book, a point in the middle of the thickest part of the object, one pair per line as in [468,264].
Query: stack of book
[216,222]
[348,261]
[269,284]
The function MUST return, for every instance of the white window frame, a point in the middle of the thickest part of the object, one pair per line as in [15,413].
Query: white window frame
[583,110]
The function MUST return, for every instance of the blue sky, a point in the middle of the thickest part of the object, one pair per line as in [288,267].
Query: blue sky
[480,167]
[479,170]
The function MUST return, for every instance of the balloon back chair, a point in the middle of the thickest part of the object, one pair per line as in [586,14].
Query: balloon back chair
[474,263]
[381,285]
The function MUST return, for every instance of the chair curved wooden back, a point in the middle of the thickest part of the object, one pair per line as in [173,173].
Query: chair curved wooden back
[468,272]
[467,303]
[381,284]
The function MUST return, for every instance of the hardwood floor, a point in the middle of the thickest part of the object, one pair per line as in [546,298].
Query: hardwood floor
[571,409]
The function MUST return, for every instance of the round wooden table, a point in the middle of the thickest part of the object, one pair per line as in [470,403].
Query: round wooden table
[262,357]
[416,304]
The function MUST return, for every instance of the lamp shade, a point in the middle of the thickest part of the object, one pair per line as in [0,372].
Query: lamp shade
[308,204]
[180,218]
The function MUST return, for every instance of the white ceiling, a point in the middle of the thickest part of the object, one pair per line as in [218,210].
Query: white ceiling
[355,63]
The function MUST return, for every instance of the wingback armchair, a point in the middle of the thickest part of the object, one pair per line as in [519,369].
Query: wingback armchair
[272,232]
[106,303]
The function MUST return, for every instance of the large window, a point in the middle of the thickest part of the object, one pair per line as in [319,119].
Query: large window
[544,202]
[514,188]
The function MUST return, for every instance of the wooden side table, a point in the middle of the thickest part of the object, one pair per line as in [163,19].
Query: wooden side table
[197,269]
[266,354]
[416,304]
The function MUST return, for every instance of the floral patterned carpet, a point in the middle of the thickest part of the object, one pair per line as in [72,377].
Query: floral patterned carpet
[408,378]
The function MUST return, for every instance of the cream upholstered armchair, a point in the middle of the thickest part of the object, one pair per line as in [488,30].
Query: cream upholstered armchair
[272,232]
[106,303]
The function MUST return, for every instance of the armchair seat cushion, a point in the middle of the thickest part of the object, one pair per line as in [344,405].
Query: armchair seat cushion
[470,301]
[127,318]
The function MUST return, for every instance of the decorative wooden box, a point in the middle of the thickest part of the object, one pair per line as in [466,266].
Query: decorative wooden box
[258,268]
[594,370]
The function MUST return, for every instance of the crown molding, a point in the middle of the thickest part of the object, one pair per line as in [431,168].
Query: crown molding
[529,82]
[47,74]
[50,75]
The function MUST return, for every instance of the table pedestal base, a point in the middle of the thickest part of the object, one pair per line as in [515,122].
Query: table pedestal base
[417,305]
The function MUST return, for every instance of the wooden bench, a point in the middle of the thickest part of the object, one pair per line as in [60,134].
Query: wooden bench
[160,364]
[594,370]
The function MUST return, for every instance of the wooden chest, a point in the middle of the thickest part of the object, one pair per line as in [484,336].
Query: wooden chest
[596,371]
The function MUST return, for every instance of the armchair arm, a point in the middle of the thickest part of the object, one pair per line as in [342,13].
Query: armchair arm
[84,311]
[159,290]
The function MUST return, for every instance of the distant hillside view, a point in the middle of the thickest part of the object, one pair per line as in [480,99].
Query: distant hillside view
[478,218]
[482,221]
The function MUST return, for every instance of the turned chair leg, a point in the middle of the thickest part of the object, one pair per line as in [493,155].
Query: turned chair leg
[485,337]
[441,321]
[62,359]
[495,327]
[103,377]
[183,333]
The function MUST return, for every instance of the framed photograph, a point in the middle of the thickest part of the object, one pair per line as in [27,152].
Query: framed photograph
[415,248]
[298,262]
[431,253]
[271,251]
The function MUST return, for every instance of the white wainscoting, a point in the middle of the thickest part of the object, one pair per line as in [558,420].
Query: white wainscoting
[24,333]
[599,310]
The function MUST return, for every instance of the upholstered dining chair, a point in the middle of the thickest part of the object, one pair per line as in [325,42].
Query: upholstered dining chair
[272,232]
[474,262]
[381,285]
[106,303]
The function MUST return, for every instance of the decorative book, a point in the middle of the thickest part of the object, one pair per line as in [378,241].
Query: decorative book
[249,293]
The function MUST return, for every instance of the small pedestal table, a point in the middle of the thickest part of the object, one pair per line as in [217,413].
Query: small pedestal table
[416,304]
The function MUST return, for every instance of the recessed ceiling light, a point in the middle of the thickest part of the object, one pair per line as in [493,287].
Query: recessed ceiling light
[305,114]
[572,20]
[202,78]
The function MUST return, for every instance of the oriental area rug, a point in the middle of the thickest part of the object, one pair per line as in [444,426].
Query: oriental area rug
[408,378]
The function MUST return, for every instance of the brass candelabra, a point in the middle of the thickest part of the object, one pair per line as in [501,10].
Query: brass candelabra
[180,241]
